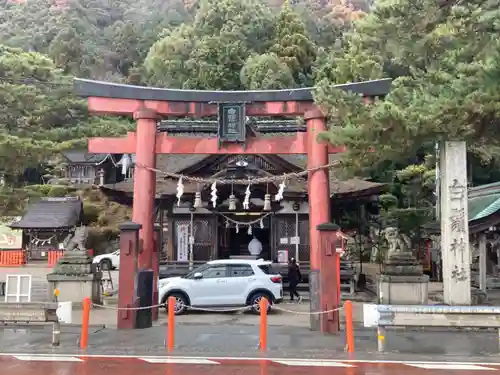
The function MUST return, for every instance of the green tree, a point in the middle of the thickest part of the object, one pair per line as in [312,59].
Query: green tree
[410,204]
[252,20]
[328,20]
[38,113]
[266,72]
[445,58]
[90,38]
[210,53]
[212,67]
[165,64]
[293,46]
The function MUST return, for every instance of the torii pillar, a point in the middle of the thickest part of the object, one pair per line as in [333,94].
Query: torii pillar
[318,191]
[145,183]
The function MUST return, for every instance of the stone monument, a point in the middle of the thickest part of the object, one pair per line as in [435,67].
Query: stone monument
[401,281]
[74,275]
[454,215]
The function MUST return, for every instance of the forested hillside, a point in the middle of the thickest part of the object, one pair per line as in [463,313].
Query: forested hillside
[444,57]
[213,44]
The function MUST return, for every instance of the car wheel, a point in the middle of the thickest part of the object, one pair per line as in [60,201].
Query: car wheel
[181,303]
[255,300]
[105,265]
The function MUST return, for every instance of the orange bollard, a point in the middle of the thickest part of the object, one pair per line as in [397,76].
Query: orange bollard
[171,324]
[84,337]
[349,331]
[263,304]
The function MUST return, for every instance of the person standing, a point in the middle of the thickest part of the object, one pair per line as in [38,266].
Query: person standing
[294,277]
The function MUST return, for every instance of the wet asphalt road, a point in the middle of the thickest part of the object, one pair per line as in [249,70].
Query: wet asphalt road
[80,365]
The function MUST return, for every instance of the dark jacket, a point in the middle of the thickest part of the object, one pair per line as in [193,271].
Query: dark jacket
[294,275]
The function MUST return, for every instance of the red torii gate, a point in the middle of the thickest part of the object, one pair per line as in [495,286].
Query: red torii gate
[147,105]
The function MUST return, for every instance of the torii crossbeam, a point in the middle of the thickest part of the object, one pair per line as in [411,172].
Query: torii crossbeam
[147,105]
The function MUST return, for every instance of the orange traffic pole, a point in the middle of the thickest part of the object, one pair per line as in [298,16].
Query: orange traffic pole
[263,304]
[84,338]
[171,324]
[349,331]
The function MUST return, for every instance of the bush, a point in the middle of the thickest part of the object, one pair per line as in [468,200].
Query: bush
[63,181]
[102,220]
[91,213]
[57,191]
[41,189]
[103,240]
[93,196]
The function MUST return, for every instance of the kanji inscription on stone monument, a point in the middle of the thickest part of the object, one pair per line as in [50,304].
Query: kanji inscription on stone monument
[455,224]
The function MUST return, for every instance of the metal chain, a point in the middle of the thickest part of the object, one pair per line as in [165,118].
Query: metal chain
[245,308]
[127,308]
[256,180]
[307,312]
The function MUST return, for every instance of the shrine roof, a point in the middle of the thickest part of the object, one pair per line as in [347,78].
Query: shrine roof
[179,163]
[484,201]
[483,208]
[52,213]
[91,88]
[83,157]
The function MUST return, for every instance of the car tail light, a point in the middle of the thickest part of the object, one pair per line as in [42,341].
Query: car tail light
[276,279]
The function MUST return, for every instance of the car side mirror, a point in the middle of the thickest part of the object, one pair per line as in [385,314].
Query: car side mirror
[197,276]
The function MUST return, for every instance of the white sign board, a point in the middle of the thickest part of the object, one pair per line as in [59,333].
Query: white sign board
[283,256]
[11,239]
[18,288]
[295,240]
[183,242]
[284,241]
[65,312]
[370,315]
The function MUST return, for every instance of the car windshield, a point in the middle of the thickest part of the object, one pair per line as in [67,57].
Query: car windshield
[190,274]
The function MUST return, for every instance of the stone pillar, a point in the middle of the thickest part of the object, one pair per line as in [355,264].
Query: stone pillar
[156,267]
[101,175]
[328,283]
[145,182]
[129,252]
[319,208]
[455,248]
[483,271]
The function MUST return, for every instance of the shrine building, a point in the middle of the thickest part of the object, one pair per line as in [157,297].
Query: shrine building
[225,230]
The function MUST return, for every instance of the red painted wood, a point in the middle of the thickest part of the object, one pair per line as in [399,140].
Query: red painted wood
[156,269]
[110,106]
[321,259]
[318,187]
[329,283]
[145,184]
[210,146]
[126,283]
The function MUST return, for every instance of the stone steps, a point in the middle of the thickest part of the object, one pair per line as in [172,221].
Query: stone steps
[39,290]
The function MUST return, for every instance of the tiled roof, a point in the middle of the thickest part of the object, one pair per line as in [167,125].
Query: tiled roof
[483,202]
[178,163]
[52,213]
[78,157]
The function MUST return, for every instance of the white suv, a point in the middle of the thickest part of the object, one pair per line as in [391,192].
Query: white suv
[109,261]
[224,283]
